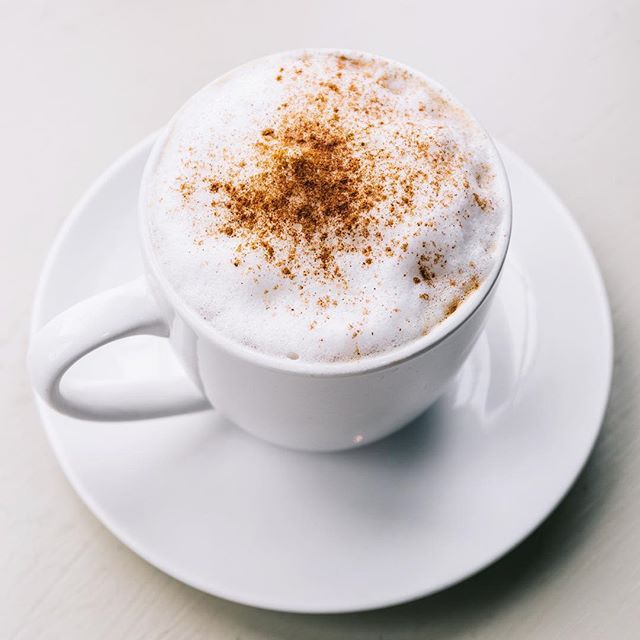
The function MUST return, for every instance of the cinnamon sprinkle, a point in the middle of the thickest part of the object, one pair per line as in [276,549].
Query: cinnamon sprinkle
[318,183]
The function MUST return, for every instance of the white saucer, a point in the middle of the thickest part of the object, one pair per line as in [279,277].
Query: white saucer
[387,523]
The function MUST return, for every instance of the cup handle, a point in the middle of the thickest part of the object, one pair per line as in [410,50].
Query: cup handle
[127,310]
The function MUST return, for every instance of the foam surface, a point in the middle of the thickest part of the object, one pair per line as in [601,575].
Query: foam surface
[325,206]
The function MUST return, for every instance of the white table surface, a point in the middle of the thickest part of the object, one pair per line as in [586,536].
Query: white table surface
[83,81]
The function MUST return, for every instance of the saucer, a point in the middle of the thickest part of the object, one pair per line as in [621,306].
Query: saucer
[362,529]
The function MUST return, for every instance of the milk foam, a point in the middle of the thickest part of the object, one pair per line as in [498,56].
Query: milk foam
[325,206]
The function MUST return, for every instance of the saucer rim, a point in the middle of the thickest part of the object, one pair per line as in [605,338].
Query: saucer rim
[47,414]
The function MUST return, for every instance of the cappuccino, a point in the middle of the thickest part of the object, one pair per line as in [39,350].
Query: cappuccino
[324,205]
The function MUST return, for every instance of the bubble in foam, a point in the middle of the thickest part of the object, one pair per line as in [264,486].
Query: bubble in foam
[324,206]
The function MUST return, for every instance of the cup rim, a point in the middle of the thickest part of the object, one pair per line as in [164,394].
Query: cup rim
[364,364]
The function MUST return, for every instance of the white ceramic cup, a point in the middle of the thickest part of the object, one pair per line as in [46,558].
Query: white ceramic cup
[313,406]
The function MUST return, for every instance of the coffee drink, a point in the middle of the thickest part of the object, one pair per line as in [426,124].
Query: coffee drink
[325,205]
